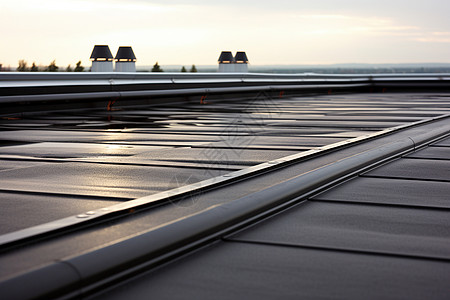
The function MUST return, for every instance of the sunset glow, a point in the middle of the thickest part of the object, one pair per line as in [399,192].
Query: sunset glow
[194,32]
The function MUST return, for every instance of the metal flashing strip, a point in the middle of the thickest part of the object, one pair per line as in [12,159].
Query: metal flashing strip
[24,77]
[89,271]
[119,85]
[162,197]
[172,92]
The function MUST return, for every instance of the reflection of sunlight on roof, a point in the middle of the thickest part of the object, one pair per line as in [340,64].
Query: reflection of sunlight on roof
[111,136]
[116,148]
[113,147]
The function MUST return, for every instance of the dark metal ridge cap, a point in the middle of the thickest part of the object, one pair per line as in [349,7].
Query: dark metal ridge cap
[84,273]
[170,92]
[122,208]
[137,83]
[112,84]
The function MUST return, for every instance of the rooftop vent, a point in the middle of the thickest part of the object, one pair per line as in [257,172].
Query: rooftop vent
[101,52]
[125,53]
[102,59]
[125,60]
[241,58]
[226,57]
[230,64]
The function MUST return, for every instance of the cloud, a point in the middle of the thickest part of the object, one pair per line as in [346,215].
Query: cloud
[176,31]
[434,37]
[332,25]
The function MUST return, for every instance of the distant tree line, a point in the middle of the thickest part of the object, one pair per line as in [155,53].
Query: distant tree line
[192,70]
[52,67]
[157,68]
[78,67]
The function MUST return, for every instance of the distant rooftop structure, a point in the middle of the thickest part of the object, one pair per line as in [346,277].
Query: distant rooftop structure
[101,59]
[230,64]
[226,61]
[241,62]
[241,58]
[125,53]
[226,57]
[101,52]
[125,60]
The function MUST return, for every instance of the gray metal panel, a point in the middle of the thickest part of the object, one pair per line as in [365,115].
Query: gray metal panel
[334,124]
[377,229]
[443,143]
[244,157]
[78,243]
[414,169]
[432,153]
[74,150]
[71,244]
[248,271]
[104,180]
[390,191]
[21,210]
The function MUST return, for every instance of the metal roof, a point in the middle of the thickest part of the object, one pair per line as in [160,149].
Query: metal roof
[271,195]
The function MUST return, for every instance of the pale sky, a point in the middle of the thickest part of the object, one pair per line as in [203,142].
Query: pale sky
[195,32]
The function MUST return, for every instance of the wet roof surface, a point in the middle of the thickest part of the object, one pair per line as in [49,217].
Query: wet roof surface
[383,234]
[133,152]
[389,224]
